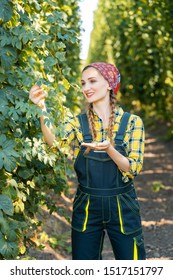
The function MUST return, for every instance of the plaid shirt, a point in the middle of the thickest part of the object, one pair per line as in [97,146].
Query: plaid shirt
[133,140]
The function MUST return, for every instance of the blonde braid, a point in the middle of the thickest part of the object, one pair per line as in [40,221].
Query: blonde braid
[90,115]
[112,116]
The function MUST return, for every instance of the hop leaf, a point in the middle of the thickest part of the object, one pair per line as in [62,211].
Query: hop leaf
[6,10]
[6,204]
[7,154]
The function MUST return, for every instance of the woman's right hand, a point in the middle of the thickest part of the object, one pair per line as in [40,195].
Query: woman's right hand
[37,95]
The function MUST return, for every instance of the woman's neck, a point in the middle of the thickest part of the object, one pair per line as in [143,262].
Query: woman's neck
[103,110]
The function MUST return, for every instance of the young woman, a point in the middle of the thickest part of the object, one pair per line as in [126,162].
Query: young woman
[109,147]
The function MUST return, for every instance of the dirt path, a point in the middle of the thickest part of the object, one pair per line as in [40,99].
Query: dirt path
[154,186]
[155,189]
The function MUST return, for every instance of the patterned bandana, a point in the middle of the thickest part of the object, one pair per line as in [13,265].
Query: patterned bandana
[109,72]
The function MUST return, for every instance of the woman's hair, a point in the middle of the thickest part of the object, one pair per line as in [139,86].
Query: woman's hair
[90,115]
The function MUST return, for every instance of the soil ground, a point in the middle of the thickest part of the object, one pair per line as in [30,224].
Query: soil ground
[154,186]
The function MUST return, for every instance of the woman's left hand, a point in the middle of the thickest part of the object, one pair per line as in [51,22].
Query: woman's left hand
[97,146]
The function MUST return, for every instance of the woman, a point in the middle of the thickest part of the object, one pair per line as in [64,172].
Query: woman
[109,147]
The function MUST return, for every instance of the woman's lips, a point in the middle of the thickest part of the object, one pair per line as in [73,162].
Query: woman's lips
[89,94]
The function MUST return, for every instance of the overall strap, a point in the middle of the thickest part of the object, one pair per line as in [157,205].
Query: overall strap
[122,128]
[85,127]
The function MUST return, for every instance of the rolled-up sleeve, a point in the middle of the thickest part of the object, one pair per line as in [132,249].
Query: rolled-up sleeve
[135,147]
[67,136]
[71,137]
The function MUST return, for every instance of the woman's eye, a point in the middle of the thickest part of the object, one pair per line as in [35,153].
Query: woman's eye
[91,81]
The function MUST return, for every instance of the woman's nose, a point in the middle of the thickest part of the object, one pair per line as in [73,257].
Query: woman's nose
[86,87]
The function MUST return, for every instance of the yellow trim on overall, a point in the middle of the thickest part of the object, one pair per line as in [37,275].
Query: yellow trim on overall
[120,215]
[135,251]
[86,215]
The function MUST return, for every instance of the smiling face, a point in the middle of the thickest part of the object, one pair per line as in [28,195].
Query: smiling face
[94,86]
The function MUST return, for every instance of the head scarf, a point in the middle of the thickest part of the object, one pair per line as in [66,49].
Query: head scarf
[109,72]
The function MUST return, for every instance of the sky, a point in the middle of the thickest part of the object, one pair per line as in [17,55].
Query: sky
[87,8]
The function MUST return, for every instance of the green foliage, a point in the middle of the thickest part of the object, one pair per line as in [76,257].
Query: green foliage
[60,242]
[157,186]
[138,37]
[38,41]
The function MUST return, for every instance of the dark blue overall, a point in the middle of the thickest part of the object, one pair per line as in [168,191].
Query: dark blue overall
[104,202]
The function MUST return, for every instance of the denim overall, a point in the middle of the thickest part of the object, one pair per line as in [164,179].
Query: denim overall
[104,202]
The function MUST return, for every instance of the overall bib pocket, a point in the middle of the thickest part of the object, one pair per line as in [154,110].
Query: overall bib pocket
[102,172]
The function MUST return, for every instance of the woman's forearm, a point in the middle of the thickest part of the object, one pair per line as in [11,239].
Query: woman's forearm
[121,161]
[49,137]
